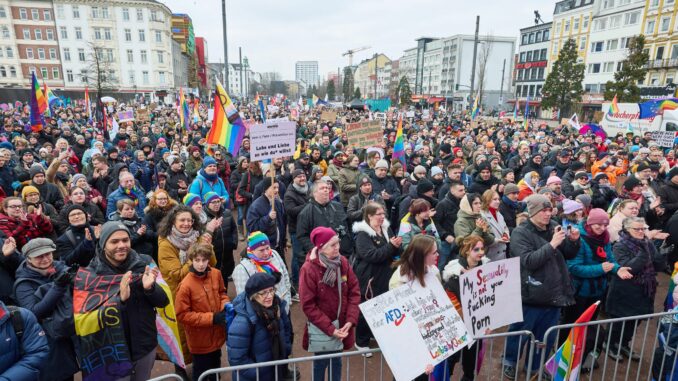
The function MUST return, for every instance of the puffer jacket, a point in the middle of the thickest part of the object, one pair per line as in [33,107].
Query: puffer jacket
[588,278]
[543,272]
[224,239]
[198,299]
[21,361]
[373,257]
[466,225]
[201,185]
[249,341]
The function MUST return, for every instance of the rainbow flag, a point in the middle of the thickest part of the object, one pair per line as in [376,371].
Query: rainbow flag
[399,144]
[184,113]
[653,108]
[475,109]
[614,107]
[167,326]
[38,106]
[51,97]
[667,105]
[227,129]
[88,105]
[565,364]
[668,303]
[526,122]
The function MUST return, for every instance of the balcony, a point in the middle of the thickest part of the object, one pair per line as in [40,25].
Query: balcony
[662,64]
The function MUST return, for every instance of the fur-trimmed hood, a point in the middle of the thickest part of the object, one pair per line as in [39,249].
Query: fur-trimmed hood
[453,268]
[362,226]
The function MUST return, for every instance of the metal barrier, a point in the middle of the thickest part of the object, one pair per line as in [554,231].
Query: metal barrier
[492,361]
[612,334]
[170,376]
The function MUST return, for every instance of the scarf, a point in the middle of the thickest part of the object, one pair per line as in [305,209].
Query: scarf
[44,272]
[338,163]
[333,270]
[270,318]
[182,241]
[133,194]
[648,277]
[303,190]
[261,265]
[493,212]
[515,205]
[597,243]
[631,195]
[210,178]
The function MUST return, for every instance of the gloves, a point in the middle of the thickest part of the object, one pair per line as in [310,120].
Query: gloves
[64,278]
[219,318]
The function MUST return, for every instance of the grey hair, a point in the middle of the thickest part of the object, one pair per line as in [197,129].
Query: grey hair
[626,224]
[314,186]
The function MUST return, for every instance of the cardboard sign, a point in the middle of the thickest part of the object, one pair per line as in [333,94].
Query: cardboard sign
[664,138]
[125,116]
[415,326]
[490,294]
[274,138]
[380,116]
[329,116]
[365,134]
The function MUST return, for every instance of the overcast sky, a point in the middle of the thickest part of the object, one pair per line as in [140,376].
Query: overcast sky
[276,34]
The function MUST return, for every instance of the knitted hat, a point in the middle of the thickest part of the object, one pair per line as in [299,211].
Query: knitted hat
[673,172]
[511,188]
[631,182]
[266,183]
[642,166]
[446,148]
[171,159]
[209,197]
[553,180]
[485,166]
[258,282]
[581,175]
[536,203]
[381,164]
[108,229]
[424,186]
[321,235]
[436,171]
[76,177]
[35,170]
[420,169]
[584,199]
[73,207]
[191,199]
[257,239]
[28,189]
[363,179]
[600,176]
[598,216]
[576,165]
[37,247]
[298,172]
[570,206]
[209,160]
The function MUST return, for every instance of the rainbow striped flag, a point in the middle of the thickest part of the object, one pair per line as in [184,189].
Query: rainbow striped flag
[614,107]
[667,105]
[228,129]
[668,303]
[51,97]
[167,326]
[38,106]
[475,109]
[565,364]
[184,113]
[399,144]
[526,120]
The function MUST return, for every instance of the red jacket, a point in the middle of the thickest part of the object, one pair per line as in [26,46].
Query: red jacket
[320,302]
[23,231]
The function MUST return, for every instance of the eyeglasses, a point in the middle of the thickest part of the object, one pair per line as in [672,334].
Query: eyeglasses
[265,293]
[380,214]
[638,229]
[14,206]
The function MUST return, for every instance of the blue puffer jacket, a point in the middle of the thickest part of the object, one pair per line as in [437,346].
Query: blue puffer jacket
[13,366]
[117,195]
[588,278]
[250,342]
[143,172]
[201,185]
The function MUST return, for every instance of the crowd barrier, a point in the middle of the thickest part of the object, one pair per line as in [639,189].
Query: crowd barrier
[643,343]
[170,376]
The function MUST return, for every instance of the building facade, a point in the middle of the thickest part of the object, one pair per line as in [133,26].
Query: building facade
[532,62]
[373,77]
[201,60]
[10,66]
[180,65]
[660,27]
[307,71]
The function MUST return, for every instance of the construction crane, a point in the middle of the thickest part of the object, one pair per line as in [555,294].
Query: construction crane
[350,52]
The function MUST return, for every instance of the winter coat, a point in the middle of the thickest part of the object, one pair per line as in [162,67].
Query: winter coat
[466,225]
[173,179]
[48,302]
[479,185]
[451,274]
[225,237]
[373,257]
[543,271]
[330,215]
[8,267]
[626,297]
[347,183]
[586,269]
[247,185]
[94,215]
[246,268]
[72,247]
[509,213]
[293,203]
[446,215]
[333,172]
[234,181]
[49,193]
[143,172]
[497,250]
[22,361]
[198,299]
[23,231]
[356,204]
[249,341]
[118,195]
[432,275]
[409,229]
[193,166]
[258,219]
[140,243]
[170,266]
[669,196]
[387,184]
[138,316]
[320,302]
[602,197]
[200,186]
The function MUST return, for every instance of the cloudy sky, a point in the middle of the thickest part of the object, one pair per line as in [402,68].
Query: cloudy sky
[276,34]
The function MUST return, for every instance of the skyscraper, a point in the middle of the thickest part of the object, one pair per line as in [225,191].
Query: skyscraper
[307,71]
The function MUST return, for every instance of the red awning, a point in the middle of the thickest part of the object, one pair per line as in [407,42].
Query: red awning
[435,99]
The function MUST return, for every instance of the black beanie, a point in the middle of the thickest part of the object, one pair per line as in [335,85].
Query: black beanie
[424,186]
[36,169]
[576,165]
[631,183]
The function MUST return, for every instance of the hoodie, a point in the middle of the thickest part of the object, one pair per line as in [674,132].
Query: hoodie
[466,225]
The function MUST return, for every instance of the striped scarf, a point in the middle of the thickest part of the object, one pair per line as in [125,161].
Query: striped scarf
[133,194]
[261,265]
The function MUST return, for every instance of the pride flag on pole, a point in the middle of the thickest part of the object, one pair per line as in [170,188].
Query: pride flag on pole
[399,144]
[260,104]
[228,130]
[565,364]
[526,122]
[38,106]
[184,113]
[88,105]
[474,110]
[614,107]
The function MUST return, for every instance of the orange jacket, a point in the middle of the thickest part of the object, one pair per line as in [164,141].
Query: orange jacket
[611,171]
[198,299]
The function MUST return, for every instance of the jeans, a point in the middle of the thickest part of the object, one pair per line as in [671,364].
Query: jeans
[205,362]
[297,252]
[447,253]
[320,366]
[242,212]
[536,320]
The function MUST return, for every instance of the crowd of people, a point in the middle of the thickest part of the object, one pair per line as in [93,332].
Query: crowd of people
[330,227]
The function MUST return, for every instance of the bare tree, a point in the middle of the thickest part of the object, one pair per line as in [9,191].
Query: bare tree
[100,73]
[483,59]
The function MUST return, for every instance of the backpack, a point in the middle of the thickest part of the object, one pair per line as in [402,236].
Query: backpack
[394,214]
[17,325]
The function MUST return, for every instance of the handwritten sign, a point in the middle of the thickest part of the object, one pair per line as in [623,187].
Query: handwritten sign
[664,138]
[274,138]
[365,134]
[415,326]
[125,116]
[328,116]
[490,294]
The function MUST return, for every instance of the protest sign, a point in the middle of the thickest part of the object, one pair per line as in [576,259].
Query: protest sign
[329,116]
[274,138]
[490,294]
[210,114]
[365,134]
[409,114]
[415,326]
[271,109]
[380,116]
[664,138]
[125,116]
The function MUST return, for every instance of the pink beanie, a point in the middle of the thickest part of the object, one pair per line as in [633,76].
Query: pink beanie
[570,206]
[598,216]
[553,180]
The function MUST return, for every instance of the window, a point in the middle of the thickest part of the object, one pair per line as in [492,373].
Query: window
[582,43]
[533,73]
[666,22]
[109,55]
[529,56]
[130,56]
[52,53]
[161,57]
[674,52]
[660,53]
[35,14]
[32,70]
[649,28]
[64,32]
[142,35]
[128,35]
[600,24]
[78,33]
[594,68]
[125,14]
[50,34]
[60,11]
[83,76]
[608,4]
[620,65]
[12,72]
[161,77]
[567,26]
[654,3]
[524,39]
[575,27]
[41,53]
[27,34]
[543,54]
[596,46]
[631,18]
[3,12]
[3,72]
[540,75]
[55,73]
[546,35]
[144,57]
[140,14]
[531,38]
[104,12]
[612,44]
[144,75]
[29,53]
[95,12]
[615,21]
[38,34]
[154,15]
[537,37]
[586,22]
[23,14]
[131,77]
[10,52]
[81,55]
[608,67]
[107,34]
[158,36]
[69,75]
[47,15]
[67,54]
[44,73]
[76,12]
[558,28]
[522,57]
[97,33]
[654,80]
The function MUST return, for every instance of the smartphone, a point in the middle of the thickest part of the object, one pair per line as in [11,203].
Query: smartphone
[569,230]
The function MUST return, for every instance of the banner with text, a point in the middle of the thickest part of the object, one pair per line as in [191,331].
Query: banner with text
[664,138]
[415,326]
[274,138]
[329,116]
[490,294]
[365,134]
[125,116]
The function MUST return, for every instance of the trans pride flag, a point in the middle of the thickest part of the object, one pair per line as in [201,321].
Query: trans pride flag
[227,130]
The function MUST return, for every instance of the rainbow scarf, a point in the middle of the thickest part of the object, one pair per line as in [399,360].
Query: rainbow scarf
[133,194]
[262,266]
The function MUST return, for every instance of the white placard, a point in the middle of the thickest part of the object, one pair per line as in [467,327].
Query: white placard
[490,296]
[664,138]
[210,114]
[415,326]
[274,138]
[272,109]
[409,114]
